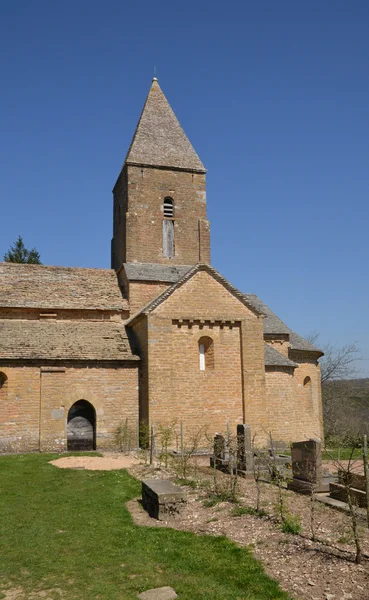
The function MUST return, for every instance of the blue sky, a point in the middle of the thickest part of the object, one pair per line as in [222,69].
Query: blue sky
[273,96]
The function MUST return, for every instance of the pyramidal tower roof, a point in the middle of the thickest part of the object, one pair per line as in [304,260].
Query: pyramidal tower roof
[159,140]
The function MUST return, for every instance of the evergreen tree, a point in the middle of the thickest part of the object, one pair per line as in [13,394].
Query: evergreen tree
[18,253]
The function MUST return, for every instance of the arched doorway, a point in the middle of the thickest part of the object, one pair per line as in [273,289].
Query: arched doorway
[81,426]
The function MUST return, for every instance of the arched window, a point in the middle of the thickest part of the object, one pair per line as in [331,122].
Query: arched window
[168,208]
[308,392]
[3,386]
[3,380]
[206,353]
[168,228]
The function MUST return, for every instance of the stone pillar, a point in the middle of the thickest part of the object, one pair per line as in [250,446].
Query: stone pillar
[219,447]
[245,454]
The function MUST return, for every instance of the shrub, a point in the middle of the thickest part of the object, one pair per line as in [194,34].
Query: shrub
[291,524]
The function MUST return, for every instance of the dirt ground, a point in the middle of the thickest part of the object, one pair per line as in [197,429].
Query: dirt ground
[323,570]
[108,462]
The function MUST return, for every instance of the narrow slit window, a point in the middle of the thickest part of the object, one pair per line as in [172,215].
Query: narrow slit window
[206,353]
[168,208]
[308,393]
[202,357]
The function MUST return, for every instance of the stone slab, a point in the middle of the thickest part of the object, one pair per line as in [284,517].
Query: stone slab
[304,487]
[354,480]
[162,499]
[339,492]
[339,505]
[163,593]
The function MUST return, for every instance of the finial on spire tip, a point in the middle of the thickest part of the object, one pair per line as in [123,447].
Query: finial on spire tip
[154,79]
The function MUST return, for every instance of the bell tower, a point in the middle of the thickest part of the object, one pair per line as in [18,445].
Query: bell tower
[160,194]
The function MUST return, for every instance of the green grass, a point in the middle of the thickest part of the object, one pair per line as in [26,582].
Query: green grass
[344,453]
[69,530]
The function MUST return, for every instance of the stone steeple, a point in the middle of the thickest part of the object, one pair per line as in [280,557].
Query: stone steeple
[159,139]
[160,194]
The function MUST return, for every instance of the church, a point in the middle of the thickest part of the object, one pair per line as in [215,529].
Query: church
[161,337]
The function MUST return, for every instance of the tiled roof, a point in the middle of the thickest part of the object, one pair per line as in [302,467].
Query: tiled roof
[159,140]
[39,286]
[273,358]
[299,343]
[155,272]
[195,269]
[274,325]
[67,340]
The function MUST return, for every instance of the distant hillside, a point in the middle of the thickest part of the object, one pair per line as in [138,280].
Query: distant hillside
[346,409]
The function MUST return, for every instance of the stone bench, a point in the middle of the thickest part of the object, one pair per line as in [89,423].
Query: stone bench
[162,499]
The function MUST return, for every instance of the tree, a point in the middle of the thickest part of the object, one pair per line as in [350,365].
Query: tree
[345,403]
[18,253]
[338,361]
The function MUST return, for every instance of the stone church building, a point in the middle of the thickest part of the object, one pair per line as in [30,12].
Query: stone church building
[161,336]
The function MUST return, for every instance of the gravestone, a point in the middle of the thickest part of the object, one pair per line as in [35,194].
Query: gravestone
[245,453]
[307,467]
[220,458]
[219,447]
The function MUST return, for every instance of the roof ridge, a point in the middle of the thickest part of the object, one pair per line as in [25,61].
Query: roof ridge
[35,266]
[196,268]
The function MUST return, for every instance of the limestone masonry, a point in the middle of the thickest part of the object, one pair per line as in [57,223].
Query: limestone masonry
[161,337]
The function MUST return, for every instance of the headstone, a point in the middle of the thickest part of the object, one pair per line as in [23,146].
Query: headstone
[219,447]
[307,467]
[163,593]
[220,457]
[307,461]
[245,454]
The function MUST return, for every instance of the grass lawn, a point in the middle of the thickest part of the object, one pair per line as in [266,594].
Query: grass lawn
[343,453]
[69,530]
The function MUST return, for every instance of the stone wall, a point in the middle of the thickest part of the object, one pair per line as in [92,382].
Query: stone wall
[138,216]
[35,402]
[308,395]
[180,391]
[176,388]
[280,416]
[280,343]
[19,408]
[141,293]
[294,409]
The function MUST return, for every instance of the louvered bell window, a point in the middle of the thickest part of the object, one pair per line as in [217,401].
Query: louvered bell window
[168,208]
